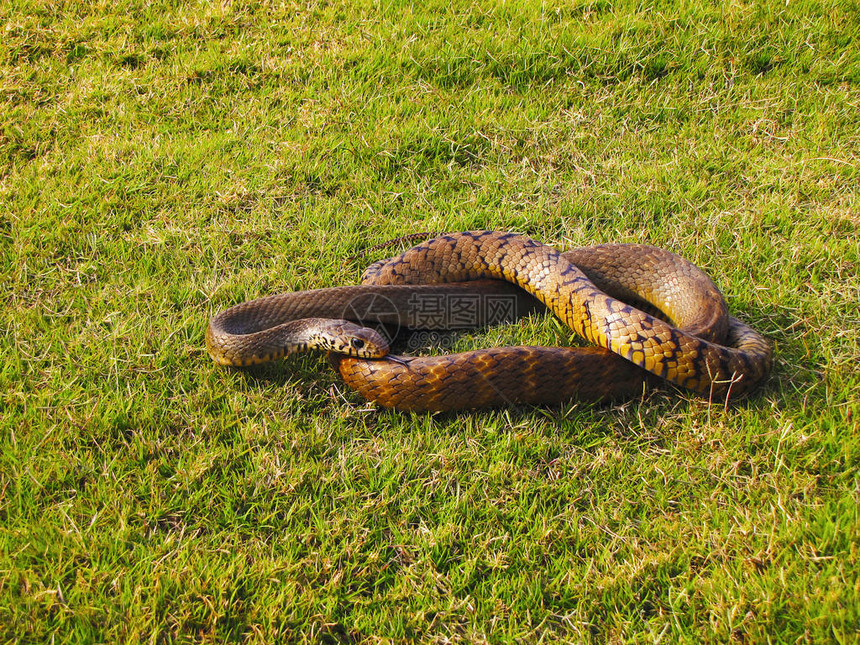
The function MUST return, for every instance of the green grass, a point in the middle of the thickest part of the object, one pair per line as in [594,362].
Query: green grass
[160,161]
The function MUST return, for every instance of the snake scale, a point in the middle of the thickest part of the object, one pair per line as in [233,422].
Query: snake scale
[609,294]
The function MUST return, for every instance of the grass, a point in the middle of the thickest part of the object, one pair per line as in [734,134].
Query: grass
[160,161]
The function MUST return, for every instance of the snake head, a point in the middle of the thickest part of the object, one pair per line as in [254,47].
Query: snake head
[353,340]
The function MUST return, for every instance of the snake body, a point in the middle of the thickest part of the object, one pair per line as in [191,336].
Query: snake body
[704,350]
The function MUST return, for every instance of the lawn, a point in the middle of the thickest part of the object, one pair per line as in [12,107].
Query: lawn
[160,161]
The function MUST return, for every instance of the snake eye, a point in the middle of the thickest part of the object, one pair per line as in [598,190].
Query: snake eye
[357,343]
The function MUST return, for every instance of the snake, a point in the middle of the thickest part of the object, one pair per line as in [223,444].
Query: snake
[651,315]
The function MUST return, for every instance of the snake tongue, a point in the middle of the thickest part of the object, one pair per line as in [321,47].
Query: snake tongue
[397,359]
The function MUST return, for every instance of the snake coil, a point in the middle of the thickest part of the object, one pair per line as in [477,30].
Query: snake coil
[703,349]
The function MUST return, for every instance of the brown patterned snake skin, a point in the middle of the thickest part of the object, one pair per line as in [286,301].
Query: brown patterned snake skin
[708,351]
